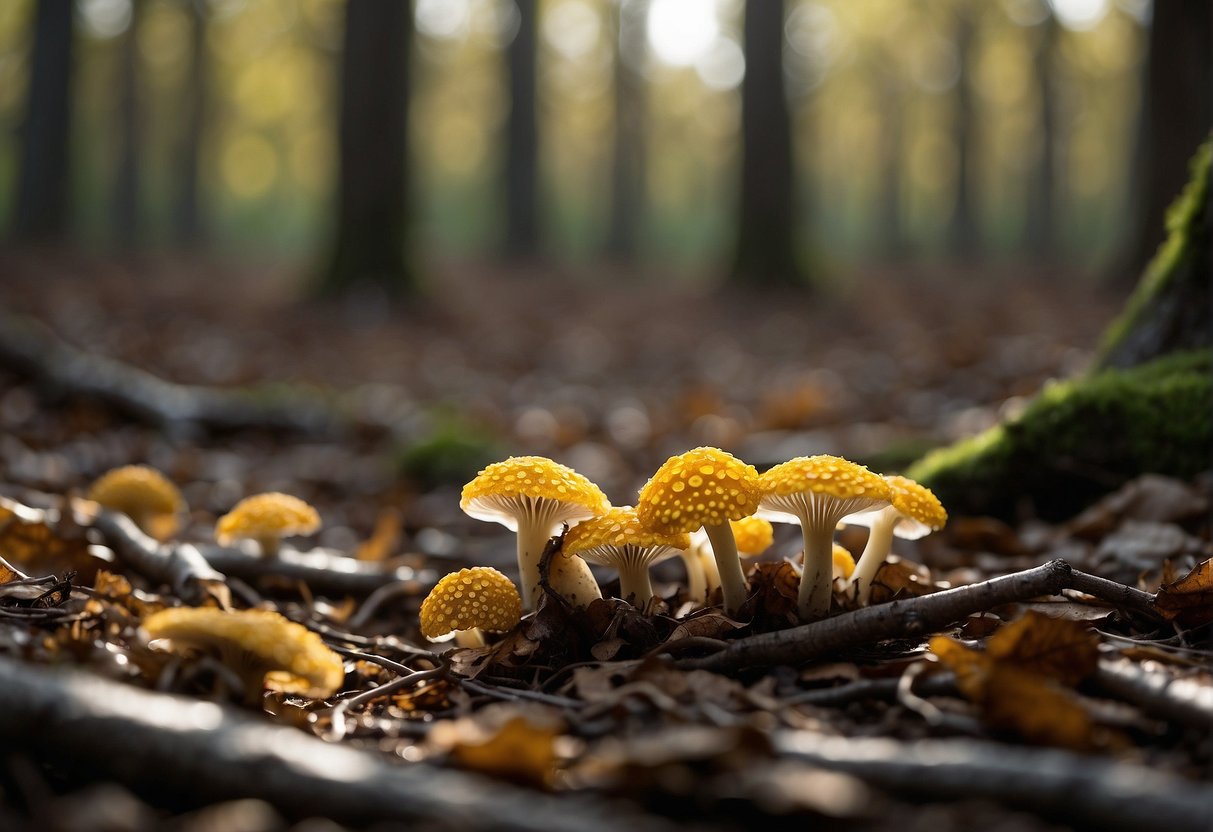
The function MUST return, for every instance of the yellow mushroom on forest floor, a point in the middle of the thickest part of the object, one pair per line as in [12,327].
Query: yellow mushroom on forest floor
[144,494]
[266,519]
[261,647]
[469,602]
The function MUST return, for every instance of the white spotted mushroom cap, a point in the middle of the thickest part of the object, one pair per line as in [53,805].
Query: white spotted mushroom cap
[920,510]
[480,597]
[509,490]
[702,487]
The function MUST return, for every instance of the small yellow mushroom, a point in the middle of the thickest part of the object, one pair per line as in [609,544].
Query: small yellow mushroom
[264,649]
[704,487]
[266,519]
[475,599]
[914,511]
[818,491]
[533,496]
[143,494]
[617,539]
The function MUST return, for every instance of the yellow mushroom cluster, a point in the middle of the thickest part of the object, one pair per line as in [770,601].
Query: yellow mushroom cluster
[724,501]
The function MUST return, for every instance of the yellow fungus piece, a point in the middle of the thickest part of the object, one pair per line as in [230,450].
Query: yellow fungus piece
[477,598]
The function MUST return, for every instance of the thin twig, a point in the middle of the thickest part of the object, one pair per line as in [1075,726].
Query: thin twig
[1165,696]
[515,694]
[910,617]
[1087,791]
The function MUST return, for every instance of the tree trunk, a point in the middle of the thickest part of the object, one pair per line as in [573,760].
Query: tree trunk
[522,138]
[1170,309]
[126,183]
[42,195]
[1039,227]
[628,165]
[372,199]
[889,212]
[189,227]
[1177,111]
[963,230]
[766,241]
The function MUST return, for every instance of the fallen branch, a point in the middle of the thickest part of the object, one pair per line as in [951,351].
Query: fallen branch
[1163,695]
[186,567]
[174,746]
[180,566]
[910,617]
[1086,791]
[32,350]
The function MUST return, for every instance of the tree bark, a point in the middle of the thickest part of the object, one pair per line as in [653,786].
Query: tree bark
[962,232]
[372,207]
[1039,227]
[628,164]
[766,240]
[188,222]
[1177,113]
[126,184]
[44,179]
[522,138]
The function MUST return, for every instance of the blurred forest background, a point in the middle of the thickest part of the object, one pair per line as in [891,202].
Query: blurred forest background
[666,134]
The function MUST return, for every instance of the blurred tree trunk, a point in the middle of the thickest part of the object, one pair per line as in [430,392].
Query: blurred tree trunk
[44,178]
[1040,231]
[189,227]
[1177,111]
[126,184]
[889,213]
[372,199]
[522,138]
[628,164]
[962,232]
[766,238]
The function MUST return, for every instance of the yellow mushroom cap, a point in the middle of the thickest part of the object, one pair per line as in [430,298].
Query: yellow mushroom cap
[257,644]
[822,488]
[137,491]
[478,597]
[702,487]
[506,490]
[916,509]
[618,536]
[844,561]
[754,535]
[269,515]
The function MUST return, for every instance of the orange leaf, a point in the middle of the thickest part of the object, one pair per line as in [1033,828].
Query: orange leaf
[1189,599]
[1036,709]
[1057,648]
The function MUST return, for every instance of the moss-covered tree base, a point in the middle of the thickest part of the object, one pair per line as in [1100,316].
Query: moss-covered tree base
[1080,439]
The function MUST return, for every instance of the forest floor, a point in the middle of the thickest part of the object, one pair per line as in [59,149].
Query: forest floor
[585,712]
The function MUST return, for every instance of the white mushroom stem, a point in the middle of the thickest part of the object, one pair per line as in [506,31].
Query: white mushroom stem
[635,585]
[269,546]
[697,586]
[880,540]
[732,579]
[533,536]
[711,575]
[469,638]
[816,581]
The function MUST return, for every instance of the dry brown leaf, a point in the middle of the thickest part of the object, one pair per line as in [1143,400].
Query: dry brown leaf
[384,539]
[899,578]
[1020,681]
[1151,497]
[511,742]
[29,543]
[1057,648]
[1190,599]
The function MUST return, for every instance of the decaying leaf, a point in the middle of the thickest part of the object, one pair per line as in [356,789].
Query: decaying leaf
[1151,497]
[775,588]
[31,544]
[1190,599]
[512,742]
[898,577]
[1057,648]
[384,539]
[1020,681]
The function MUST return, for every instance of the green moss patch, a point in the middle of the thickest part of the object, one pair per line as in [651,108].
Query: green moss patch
[1079,439]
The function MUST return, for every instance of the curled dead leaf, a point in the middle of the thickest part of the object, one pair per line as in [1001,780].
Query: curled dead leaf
[1190,599]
